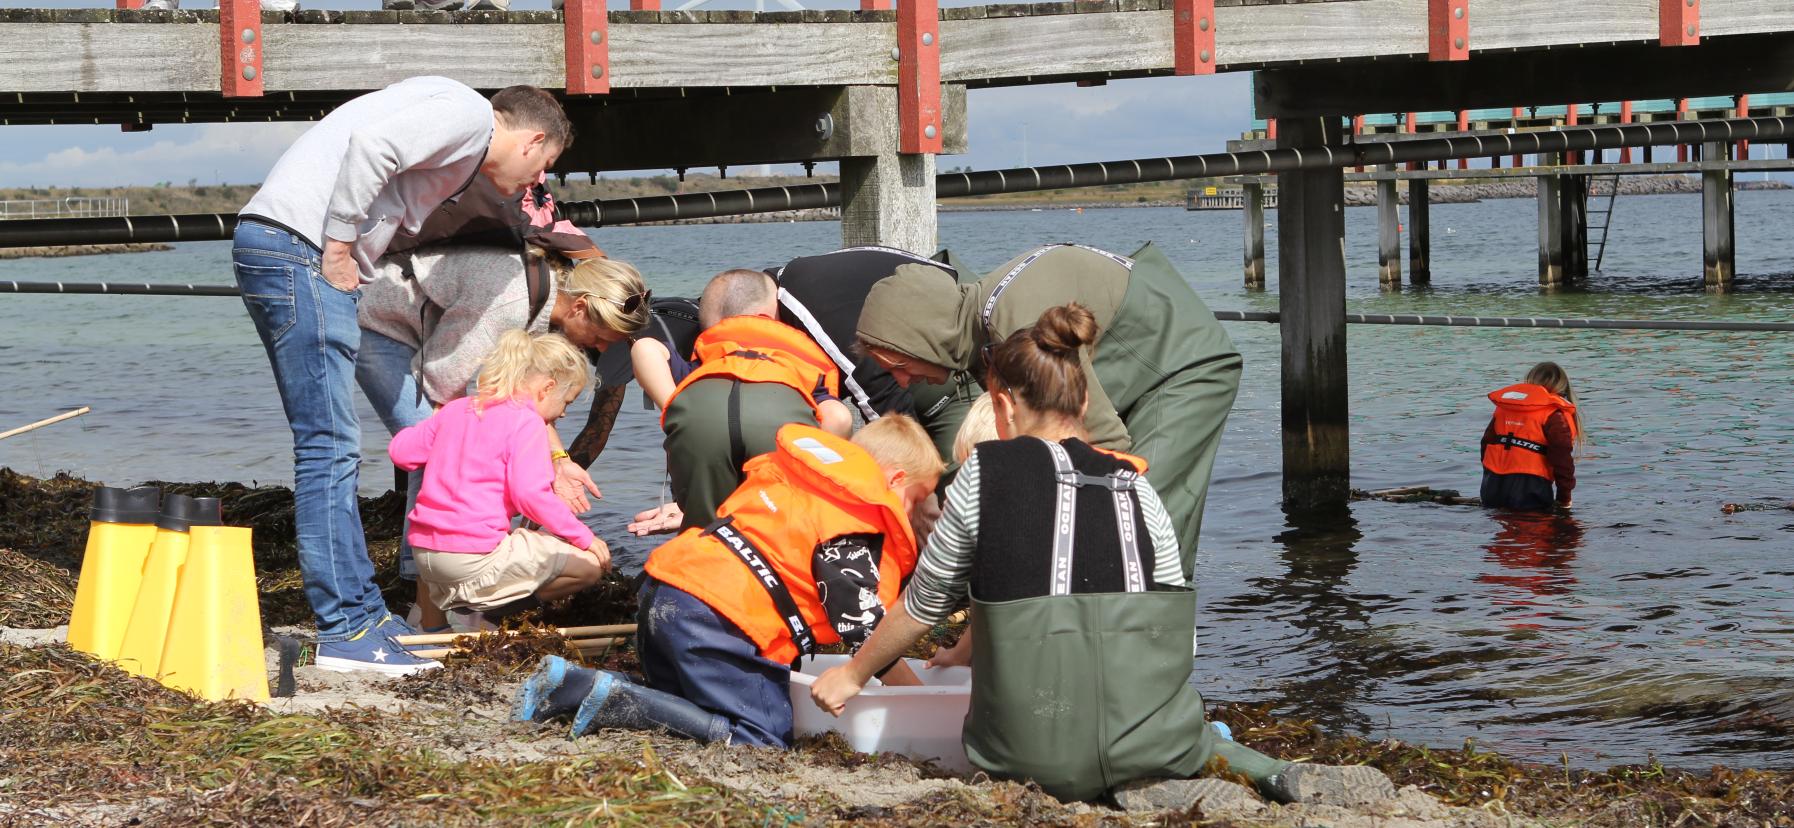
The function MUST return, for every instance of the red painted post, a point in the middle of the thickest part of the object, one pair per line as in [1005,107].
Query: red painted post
[1682,115]
[1678,22]
[1463,126]
[1357,129]
[586,32]
[1193,37]
[919,128]
[875,5]
[1626,118]
[130,4]
[1448,29]
[1271,129]
[1572,117]
[1519,160]
[1408,127]
[644,5]
[240,48]
[1743,112]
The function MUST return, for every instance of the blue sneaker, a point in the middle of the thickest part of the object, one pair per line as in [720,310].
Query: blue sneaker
[536,689]
[373,651]
[588,709]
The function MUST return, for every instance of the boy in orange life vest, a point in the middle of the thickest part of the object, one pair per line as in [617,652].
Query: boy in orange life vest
[1531,441]
[809,550]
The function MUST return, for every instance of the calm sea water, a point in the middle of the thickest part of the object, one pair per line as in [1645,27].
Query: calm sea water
[1648,623]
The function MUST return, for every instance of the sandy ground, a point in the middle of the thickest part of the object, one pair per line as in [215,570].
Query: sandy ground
[464,727]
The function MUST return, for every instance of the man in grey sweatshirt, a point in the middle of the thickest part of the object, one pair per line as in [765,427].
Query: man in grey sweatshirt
[374,168]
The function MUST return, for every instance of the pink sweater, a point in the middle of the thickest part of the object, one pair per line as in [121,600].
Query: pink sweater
[483,468]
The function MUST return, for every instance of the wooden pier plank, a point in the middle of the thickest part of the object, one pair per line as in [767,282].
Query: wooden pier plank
[1529,24]
[94,57]
[1734,17]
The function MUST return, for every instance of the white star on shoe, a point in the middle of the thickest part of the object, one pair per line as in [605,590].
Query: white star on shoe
[380,654]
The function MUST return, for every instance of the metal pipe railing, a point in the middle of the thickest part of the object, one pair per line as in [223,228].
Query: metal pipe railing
[612,212]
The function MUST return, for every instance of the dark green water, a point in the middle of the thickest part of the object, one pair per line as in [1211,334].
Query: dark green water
[1647,622]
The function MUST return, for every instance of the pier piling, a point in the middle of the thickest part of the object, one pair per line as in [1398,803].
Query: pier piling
[1389,235]
[1420,241]
[1574,213]
[1717,240]
[1253,207]
[888,198]
[1551,231]
[1311,295]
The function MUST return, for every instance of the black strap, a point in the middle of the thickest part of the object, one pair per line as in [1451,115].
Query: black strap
[1511,440]
[537,280]
[737,443]
[769,579]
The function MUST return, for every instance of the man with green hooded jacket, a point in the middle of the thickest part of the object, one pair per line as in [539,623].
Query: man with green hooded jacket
[1163,374]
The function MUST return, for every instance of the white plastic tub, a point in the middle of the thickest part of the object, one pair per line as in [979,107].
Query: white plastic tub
[920,722]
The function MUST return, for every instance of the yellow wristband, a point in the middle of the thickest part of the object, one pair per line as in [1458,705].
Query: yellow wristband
[557,454]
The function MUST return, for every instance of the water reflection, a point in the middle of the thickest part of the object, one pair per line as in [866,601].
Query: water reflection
[1534,551]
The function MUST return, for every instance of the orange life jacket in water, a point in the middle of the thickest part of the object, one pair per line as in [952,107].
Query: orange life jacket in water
[757,556]
[1520,414]
[755,349]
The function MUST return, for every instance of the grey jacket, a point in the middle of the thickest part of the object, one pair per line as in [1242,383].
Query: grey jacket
[378,166]
[451,303]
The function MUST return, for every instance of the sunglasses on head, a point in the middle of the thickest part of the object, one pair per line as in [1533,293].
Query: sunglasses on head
[629,305]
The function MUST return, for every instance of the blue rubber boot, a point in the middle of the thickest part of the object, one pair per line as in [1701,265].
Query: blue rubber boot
[556,688]
[614,702]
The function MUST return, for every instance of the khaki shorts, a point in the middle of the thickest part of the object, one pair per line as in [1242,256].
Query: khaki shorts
[524,561]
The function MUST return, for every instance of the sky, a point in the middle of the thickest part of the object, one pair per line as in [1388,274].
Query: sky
[1052,124]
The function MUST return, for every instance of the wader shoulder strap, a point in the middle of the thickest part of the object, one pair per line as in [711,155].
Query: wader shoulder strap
[814,328]
[737,443]
[769,579]
[990,304]
[1121,486]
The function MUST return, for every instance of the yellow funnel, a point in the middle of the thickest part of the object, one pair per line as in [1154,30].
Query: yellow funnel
[214,647]
[141,651]
[118,541]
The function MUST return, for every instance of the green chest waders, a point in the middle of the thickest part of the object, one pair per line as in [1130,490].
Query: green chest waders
[1083,692]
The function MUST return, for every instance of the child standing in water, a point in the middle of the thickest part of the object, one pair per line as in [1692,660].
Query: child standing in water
[486,460]
[1530,443]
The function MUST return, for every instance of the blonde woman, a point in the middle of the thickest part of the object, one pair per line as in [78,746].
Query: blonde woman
[431,316]
[489,463]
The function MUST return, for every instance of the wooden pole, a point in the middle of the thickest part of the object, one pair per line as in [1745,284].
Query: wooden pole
[584,645]
[1551,231]
[1420,241]
[887,198]
[1254,210]
[1389,235]
[1574,213]
[66,415]
[564,632]
[1311,296]
[1718,252]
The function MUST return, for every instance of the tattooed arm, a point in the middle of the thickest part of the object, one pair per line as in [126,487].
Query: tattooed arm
[596,432]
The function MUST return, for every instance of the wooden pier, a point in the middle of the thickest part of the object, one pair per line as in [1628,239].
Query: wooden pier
[882,91]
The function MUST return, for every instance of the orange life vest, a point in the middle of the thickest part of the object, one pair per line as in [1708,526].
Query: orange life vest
[813,488]
[1520,414]
[755,349]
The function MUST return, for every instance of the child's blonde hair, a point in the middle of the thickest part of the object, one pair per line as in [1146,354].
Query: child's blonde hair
[896,441]
[607,285]
[521,355]
[980,426]
[1552,377]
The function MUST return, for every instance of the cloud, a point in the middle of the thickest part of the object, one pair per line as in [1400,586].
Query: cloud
[102,156]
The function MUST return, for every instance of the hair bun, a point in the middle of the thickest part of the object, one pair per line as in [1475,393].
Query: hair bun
[1064,330]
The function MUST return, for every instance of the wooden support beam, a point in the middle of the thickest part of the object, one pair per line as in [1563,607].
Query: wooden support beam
[1718,244]
[1389,235]
[1420,240]
[1573,192]
[1253,210]
[888,199]
[586,38]
[1551,232]
[1448,30]
[1193,37]
[919,76]
[1311,298]
[240,48]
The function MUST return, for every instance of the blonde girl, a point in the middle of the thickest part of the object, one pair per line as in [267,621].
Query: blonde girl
[487,459]
[1529,446]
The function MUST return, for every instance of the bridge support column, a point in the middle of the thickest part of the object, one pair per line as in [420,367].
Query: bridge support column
[1311,298]
[1420,240]
[1389,235]
[1551,232]
[888,199]
[1575,218]
[1254,211]
[1718,254]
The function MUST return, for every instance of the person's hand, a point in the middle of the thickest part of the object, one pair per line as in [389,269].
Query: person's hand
[600,551]
[922,518]
[340,269]
[657,521]
[958,655]
[834,688]
[571,482]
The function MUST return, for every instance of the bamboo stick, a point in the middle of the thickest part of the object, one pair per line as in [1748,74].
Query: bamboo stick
[67,415]
[583,645]
[565,632]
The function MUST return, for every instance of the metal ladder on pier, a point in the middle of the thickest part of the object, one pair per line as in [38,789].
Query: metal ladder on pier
[1608,187]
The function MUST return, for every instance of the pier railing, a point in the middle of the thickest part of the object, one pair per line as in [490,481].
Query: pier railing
[65,208]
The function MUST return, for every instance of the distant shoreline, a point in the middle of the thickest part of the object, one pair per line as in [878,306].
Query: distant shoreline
[61,250]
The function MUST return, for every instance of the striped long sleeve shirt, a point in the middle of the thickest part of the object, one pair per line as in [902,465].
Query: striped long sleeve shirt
[943,573]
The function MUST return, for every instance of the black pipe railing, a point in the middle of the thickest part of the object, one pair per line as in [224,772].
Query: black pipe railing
[612,212]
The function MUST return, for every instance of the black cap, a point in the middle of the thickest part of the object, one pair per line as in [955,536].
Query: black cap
[180,511]
[138,505]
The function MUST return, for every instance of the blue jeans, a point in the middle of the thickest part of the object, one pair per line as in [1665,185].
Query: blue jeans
[383,369]
[309,330]
[690,651]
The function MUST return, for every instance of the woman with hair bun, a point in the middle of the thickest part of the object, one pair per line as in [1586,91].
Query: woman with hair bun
[1084,618]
